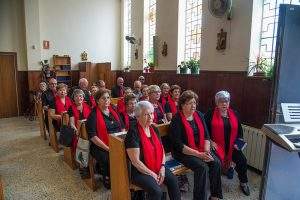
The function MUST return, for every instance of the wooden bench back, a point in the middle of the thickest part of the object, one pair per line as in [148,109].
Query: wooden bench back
[65,118]
[41,116]
[82,130]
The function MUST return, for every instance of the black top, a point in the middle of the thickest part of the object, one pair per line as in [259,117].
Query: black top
[71,114]
[115,91]
[132,140]
[160,115]
[48,98]
[112,126]
[167,107]
[131,119]
[177,133]
[227,127]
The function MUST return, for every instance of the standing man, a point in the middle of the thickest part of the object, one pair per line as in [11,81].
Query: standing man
[118,90]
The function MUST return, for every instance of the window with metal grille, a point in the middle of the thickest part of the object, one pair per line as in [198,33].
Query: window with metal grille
[127,32]
[149,31]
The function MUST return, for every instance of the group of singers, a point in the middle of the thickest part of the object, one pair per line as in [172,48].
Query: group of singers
[206,144]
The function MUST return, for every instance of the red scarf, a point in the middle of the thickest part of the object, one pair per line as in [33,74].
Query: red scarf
[155,120]
[60,107]
[93,102]
[217,130]
[126,120]
[85,111]
[121,92]
[164,100]
[173,106]
[101,126]
[121,105]
[152,149]
[190,133]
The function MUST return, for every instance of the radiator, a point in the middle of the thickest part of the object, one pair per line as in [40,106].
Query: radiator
[255,149]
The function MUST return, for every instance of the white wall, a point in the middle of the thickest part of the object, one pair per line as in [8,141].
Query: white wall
[234,58]
[73,26]
[12,30]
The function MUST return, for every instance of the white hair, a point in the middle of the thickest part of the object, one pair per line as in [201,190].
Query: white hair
[153,88]
[222,95]
[142,105]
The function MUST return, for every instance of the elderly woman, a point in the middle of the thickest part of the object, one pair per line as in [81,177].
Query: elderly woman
[61,104]
[121,101]
[94,89]
[165,95]
[78,111]
[191,147]
[159,114]
[145,93]
[128,115]
[146,153]
[102,121]
[171,105]
[226,129]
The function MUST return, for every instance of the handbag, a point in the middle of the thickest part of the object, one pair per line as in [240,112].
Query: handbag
[82,152]
[66,135]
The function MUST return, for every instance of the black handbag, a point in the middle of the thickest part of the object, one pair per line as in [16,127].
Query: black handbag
[66,135]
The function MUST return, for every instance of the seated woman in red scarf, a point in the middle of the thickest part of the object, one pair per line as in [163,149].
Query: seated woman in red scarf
[191,146]
[165,94]
[159,114]
[147,156]
[128,115]
[61,104]
[145,93]
[226,131]
[171,105]
[78,111]
[103,120]
[121,101]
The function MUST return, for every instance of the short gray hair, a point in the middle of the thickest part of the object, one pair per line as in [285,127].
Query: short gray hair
[77,92]
[141,105]
[223,94]
[154,88]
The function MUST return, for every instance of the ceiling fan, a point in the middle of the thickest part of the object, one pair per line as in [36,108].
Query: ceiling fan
[220,8]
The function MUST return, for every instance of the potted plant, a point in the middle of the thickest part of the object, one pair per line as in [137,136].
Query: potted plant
[194,66]
[183,67]
[262,67]
[151,66]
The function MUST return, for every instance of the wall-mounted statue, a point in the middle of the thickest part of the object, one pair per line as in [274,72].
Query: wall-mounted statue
[221,42]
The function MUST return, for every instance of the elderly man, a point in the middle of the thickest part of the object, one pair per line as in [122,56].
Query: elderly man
[142,79]
[48,98]
[137,85]
[118,90]
[83,84]
[101,84]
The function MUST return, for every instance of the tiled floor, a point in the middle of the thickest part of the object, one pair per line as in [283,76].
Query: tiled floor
[30,169]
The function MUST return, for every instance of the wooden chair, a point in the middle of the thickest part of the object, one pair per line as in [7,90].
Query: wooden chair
[114,101]
[90,182]
[1,189]
[69,156]
[41,114]
[52,131]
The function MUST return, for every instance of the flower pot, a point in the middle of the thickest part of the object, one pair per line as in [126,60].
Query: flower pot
[183,70]
[195,71]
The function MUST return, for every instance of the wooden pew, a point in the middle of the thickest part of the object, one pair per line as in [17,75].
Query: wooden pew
[41,114]
[114,101]
[90,182]
[52,131]
[69,157]
[1,189]
[120,180]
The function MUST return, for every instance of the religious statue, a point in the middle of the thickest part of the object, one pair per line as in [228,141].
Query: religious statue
[221,43]
[83,56]
[164,51]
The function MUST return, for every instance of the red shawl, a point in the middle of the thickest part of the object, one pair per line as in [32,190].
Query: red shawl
[152,149]
[155,120]
[173,106]
[121,92]
[93,102]
[217,130]
[126,120]
[85,111]
[164,100]
[60,107]
[102,132]
[121,105]
[190,133]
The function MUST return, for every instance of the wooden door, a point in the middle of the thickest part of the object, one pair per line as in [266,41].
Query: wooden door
[8,85]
